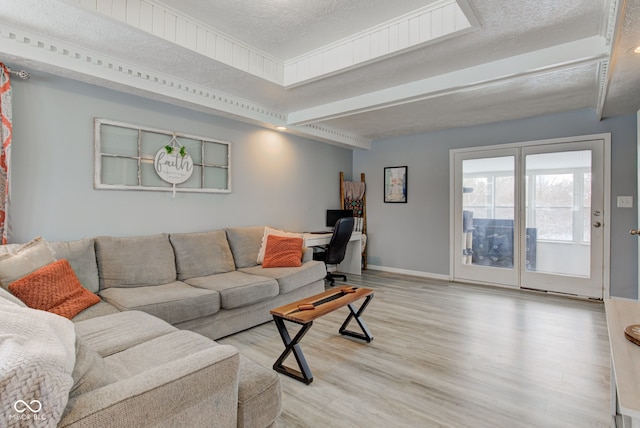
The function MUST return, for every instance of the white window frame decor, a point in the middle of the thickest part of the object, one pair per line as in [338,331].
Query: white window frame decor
[129,161]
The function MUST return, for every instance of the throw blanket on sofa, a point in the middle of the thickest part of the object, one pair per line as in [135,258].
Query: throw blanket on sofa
[37,356]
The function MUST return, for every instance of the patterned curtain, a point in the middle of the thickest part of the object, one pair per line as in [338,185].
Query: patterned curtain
[5,156]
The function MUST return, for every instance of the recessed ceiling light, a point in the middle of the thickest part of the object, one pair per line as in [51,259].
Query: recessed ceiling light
[636,50]
[281,128]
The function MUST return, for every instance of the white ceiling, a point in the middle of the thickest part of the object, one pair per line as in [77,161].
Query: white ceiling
[370,70]
[288,28]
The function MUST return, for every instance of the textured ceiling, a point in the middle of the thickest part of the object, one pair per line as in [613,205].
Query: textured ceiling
[508,42]
[543,94]
[287,28]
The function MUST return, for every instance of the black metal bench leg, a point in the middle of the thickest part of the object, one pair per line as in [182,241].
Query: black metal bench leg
[304,375]
[366,334]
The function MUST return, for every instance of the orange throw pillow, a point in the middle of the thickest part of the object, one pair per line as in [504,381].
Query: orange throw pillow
[54,288]
[282,251]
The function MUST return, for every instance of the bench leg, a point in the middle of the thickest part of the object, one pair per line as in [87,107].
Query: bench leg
[357,315]
[304,374]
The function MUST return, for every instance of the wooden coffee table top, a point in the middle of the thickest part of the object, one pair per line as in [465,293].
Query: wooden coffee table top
[323,303]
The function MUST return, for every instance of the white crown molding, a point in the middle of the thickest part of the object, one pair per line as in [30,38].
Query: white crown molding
[613,17]
[584,51]
[50,55]
[611,9]
[432,23]
[435,22]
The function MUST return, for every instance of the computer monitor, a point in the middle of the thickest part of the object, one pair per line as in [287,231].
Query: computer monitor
[334,215]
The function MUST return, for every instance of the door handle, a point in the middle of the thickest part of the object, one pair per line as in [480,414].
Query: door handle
[634,232]
[597,224]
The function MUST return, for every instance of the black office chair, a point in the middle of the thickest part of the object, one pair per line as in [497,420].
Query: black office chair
[333,253]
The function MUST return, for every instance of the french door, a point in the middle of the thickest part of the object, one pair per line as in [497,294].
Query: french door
[531,216]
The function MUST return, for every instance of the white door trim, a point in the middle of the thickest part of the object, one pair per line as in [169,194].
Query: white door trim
[638,199]
[606,137]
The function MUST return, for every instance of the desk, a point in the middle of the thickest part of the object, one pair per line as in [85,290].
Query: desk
[625,362]
[352,262]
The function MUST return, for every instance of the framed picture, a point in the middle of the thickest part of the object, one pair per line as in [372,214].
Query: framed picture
[395,184]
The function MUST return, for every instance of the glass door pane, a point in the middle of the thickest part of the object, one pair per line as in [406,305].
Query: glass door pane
[565,218]
[485,217]
[488,211]
[558,213]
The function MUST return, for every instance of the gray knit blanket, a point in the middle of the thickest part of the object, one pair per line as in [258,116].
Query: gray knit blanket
[37,356]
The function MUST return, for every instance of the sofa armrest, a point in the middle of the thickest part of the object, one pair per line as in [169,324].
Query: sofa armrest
[200,389]
[307,254]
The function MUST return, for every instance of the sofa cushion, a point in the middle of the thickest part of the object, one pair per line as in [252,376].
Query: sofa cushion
[201,254]
[237,288]
[245,244]
[90,371]
[259,395]
[291,278]
[197,390]
[282,251]
[156,352]
[277,232]
[174,302]
[27,258]
[113,333]
[81,255]
[100,309]
[135,261]
[54,288]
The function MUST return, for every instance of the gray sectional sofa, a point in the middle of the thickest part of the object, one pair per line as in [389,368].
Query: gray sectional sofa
[145,354]
[208,282]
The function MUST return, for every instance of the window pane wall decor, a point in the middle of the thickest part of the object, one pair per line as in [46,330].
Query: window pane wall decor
[127,158]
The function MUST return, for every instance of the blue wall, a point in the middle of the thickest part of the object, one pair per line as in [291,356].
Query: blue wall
[278,179]
[415,236]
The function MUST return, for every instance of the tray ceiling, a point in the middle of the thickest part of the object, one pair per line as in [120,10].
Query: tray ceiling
[341,72]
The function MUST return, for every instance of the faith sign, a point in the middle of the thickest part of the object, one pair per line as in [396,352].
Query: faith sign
[173,164]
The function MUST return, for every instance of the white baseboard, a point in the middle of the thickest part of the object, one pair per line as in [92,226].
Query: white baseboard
[410,272]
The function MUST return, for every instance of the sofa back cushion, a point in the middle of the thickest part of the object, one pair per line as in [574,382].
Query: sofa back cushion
[201,254]
[81,255]
[245,244]
[135,261]
[25,259]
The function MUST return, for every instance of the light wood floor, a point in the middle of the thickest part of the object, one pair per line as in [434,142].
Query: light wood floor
[449,355]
